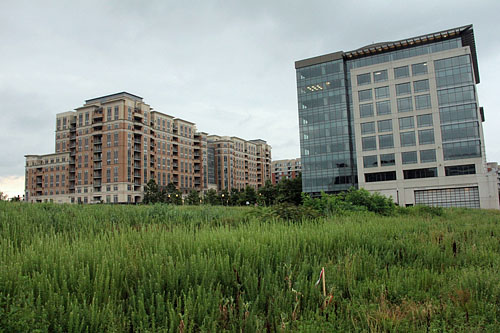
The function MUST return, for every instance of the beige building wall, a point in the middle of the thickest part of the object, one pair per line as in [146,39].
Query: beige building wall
[402,190]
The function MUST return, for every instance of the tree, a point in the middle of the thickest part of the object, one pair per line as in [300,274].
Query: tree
[152,193]
[249,195]
[193,198]
[211,198]
[234,197]
[172,195]
[290,191]
[15,199]
[267,194]
[3,196]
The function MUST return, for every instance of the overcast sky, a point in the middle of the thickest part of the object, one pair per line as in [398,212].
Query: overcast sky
[226,66]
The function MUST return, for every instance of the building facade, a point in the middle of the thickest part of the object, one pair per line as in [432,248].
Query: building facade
[285,169]
[405,118]
[108,149]
[239,163]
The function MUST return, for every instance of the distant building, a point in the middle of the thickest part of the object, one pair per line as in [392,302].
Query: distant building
[285,169]
[108,149]
[401,118]
[238,162]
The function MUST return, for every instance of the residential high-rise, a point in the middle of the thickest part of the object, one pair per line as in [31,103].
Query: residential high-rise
[108,149]
[401,118]
[285,169]
[238,162]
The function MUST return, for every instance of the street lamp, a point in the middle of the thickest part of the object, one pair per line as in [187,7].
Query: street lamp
[222,199]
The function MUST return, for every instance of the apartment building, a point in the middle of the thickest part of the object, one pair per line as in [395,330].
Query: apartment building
[401,118]
[238,162]
[285,169]
[109,148]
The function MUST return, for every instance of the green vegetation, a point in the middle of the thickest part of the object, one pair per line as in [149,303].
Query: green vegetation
[153,268]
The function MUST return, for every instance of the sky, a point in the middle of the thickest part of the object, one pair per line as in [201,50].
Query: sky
[227,66]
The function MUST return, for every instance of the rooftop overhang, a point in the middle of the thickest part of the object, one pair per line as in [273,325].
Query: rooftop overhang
[466,33]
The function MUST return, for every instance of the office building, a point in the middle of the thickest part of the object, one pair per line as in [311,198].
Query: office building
[285,169]
[401,118]
[108,149]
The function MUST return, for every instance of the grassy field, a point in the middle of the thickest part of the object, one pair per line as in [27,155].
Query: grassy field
[69,268]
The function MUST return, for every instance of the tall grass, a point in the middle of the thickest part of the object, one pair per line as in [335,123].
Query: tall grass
[68,268]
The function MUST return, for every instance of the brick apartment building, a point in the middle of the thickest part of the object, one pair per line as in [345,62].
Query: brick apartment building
[108,149]
[285,169]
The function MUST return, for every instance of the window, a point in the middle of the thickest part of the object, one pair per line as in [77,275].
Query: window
[387,159]
[365,95]
[385,141]
[369,143]
[380,76]
[457,113]
[116,112]
[403,89]
[463,131]
[370,161]
[368,128]
[424,120]
[382,92]
[405,104]
[426,137]
[449,197]
[406,123]
[423,102]
[428,155]
[464,149]
[453,71]
[407,139]
[419,69]
[401,72]
[421,86]
[456,95]
[364,79]
[366,110]
[383,107]
[384,125]
[420,173]
[458,170]
[380,176]
[409,157]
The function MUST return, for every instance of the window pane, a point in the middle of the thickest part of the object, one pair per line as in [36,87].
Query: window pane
[401,72]
[423,102]
[406,123]
[458,170]
[366,110]
[457,113]
[369,143]
[424,120]
[370,161]
[380,76]
[407,139]
[385,141]
[387,160]
[459,150]
[368,128]
[384,125]
[426,136]
[364,79]
[421,86]
[428,155]
[365,95]
[403,89]
[383,107]
[405,104]
[409,157]
[420,173]
[419,69]
[382,92]
[463,131]
[456,95]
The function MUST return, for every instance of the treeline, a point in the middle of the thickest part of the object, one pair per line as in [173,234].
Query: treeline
[287,191]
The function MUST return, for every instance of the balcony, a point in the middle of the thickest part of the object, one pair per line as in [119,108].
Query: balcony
[97,158]
[97,166]
[98,149]
[97,183]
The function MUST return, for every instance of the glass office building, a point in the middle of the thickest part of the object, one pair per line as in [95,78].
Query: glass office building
[401,118]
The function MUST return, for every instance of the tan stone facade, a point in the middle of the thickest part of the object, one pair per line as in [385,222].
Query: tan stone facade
[108,149]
